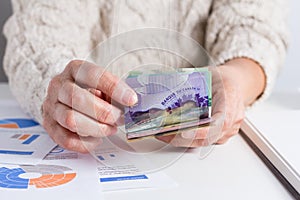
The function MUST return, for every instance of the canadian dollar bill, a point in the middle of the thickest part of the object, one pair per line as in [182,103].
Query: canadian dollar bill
[168,101]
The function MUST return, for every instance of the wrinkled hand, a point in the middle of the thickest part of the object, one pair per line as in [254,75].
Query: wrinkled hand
[227,113]
[77,111]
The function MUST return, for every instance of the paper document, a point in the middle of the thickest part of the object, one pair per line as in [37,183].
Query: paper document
[56,177]
[22,140]
[119,169]
[13,119]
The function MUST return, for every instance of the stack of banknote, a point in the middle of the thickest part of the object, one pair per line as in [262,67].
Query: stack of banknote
[168,102]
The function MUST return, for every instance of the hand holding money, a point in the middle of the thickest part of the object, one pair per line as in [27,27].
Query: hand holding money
[71,111]
[77,111]
[236,85]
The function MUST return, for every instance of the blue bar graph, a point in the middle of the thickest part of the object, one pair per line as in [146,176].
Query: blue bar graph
[123,178]
[16,152]
[31,139]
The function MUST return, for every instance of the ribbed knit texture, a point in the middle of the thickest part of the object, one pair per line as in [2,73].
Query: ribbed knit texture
[43,36]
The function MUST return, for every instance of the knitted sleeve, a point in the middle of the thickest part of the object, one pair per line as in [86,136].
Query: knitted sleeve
[253,29]
[42,37]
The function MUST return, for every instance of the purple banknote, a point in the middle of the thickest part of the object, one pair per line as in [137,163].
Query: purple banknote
[168,101]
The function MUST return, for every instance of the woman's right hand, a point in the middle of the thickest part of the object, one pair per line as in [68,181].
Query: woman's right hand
[77,111]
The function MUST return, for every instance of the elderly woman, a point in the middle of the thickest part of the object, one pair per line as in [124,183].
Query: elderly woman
[47,41]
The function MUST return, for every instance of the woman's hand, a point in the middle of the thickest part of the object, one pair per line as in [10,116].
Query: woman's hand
[236,85]
[77,111]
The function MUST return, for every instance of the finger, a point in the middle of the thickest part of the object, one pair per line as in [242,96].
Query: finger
[178,141]
[166,139]
[86,103]
[101,95]
[90,143]
[53,87]
[81,124]
[217,121]
[218,104]
[95,92]
[66,138]
[62,136]
[97,77]
[72,141]
[212,131]
[228,134]
[199,133]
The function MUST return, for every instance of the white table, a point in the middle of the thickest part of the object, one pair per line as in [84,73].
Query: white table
[273,127]
[231,171]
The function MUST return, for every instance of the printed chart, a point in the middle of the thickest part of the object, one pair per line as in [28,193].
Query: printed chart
[25,174]
[122,170]
[25,138]
[24,147]
[22,140]
[56,178]
[59,153]
[40,176]
[13,119]
[17,123]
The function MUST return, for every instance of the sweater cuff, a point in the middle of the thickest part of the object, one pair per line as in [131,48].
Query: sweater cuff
[254,47]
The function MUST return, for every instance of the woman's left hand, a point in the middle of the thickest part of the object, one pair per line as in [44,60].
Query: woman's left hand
[233,89]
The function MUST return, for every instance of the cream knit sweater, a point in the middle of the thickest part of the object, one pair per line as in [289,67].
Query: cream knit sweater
[43,36]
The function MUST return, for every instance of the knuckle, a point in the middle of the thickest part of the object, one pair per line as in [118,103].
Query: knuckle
[110,86]
[70,143]
[69,121]
[47,105]
[50,129]
[73,63]
[103,114]
[77,98]
[104,130]
[239,121]
[235,132]
[93,74]
[222,141]
[54,84]
[46,125]
[83,134]
[197,143]
[47,113]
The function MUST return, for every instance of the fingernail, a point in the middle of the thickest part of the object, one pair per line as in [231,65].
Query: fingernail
[129,97]
[188,135]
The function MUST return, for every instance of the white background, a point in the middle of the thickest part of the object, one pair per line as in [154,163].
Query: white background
[289,78]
